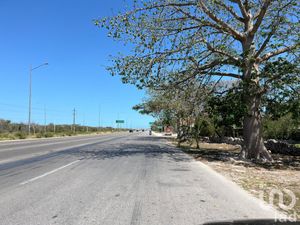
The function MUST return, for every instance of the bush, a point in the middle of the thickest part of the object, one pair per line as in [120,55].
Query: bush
[7,136]
[48,135]
[282,128]
[21,135]
[38,135]
[296,135]
[204,127]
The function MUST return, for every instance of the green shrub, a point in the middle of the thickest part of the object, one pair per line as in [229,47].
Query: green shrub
[38,135]
[21,135]
[7,136]
[282,128]
[48,135]
[204,127]
[296,135]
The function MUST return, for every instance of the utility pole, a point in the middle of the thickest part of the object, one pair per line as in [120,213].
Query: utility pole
[54,127]
[30,87]
[74,120]
[83,122]
[29,111]
[45,119]
[99,118]
[118,125]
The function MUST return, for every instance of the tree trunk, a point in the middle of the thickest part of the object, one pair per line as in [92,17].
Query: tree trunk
[179,135]
[254,147]
[197,143]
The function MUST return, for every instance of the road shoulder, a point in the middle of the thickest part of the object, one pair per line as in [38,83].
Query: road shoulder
[252,182]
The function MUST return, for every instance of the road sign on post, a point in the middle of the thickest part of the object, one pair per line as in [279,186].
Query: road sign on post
[119,122]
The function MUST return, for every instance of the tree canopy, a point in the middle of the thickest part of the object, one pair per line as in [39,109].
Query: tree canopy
[174,41]
[173,38]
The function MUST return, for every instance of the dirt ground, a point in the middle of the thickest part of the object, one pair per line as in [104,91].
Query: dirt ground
[260,179]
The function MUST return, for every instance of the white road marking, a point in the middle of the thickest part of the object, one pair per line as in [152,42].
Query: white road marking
[48,173]
[54,150]
[47,144]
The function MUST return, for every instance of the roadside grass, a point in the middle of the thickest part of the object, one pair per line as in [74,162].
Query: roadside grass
[23,135]
[257,178]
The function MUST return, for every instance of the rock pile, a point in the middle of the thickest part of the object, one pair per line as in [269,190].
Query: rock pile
[276,147]
[282,147]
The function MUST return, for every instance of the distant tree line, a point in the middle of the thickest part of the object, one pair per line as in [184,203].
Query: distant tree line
[12,130]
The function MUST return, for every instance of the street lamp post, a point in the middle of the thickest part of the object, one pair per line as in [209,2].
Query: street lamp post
[30,85]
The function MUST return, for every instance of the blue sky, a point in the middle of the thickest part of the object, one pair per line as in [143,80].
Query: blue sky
[62,33]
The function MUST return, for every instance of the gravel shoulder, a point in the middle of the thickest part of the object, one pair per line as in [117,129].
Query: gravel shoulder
[260,180]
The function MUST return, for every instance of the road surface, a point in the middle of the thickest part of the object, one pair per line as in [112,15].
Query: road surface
[114,179]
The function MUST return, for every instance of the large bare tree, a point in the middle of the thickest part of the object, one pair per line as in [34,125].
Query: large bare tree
[174,40]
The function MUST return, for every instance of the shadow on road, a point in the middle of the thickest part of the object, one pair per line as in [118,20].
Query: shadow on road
[147,147]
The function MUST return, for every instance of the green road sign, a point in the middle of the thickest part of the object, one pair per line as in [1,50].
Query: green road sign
[151,123]
[120,121]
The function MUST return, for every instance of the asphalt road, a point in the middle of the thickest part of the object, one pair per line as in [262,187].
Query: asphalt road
[114,179]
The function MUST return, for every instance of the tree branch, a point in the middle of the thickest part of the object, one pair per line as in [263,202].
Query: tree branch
[233,75]
[216,50]
[242,8]
[278,52]
[260,16]
[267,40]
[231,11]
[203,23]
[237,35]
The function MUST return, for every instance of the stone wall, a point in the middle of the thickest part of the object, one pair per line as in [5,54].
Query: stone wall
[276,147]
[226,140]
[282,147]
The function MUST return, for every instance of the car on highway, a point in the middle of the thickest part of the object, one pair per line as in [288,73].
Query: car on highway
[168,131]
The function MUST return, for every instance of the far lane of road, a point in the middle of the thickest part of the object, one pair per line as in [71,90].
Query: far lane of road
[19,150]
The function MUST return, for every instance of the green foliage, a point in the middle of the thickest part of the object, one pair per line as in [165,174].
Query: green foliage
[281,128]
[197,38]
[203,127]
[296,135]
[180,40]
[7,136]
[21,135]
[283,96]
[227,111]
[48,135]
[39,135]
[10,130]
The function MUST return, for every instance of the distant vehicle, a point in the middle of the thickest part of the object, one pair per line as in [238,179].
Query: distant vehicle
[168,131]
[130,131]
[143,130]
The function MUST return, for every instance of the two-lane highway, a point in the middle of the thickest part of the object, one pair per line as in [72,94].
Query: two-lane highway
[114,179]
[22,149]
